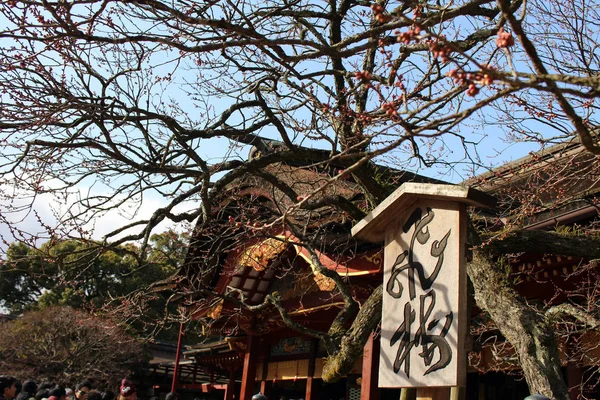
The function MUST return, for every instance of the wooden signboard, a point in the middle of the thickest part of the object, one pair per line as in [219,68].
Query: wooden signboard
[424,322]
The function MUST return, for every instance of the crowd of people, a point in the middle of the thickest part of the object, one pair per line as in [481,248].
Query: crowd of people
[12,389]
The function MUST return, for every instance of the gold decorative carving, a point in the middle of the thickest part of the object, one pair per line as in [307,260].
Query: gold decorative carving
[375,259]
[215,311]
[324,283]
[258,256]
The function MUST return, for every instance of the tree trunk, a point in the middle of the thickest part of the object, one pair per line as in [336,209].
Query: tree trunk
[351,346]
[528,331]
[547,242]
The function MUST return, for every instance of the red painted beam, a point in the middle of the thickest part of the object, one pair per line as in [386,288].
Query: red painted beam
[176,370]
[205,387]
[249,372]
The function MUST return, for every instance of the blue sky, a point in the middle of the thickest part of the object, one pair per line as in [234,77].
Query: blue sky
[176,95]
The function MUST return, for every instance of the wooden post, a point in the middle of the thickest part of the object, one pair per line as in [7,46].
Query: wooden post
[176,370]
[264,384]
[309,394]
[457,393]
[249,373]
[408,394]
[264,387]
[370,366]
[481,389]
[433,393]
[230,389]
[312,359]
[574,381]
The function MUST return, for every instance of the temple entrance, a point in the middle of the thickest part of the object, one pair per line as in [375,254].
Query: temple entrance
[296,390]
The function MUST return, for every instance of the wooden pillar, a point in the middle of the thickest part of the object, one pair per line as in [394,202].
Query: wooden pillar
[310,389]
[264,388]
[230,389]
[408,394]
[264,384]
[312,359]
[176,371]
[195,373]
[481,391]
[369,389]
[249,372]
[433,393]
[574,381]
[167,369]
[457,393]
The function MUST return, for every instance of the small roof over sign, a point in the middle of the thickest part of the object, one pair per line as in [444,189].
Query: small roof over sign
[372,227]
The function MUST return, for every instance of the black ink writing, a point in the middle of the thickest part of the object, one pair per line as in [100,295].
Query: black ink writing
[430,343]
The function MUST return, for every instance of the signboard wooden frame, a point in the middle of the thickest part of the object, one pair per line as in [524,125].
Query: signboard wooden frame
[424,322]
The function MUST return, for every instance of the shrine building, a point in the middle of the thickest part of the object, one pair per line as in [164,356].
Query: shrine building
[248,253]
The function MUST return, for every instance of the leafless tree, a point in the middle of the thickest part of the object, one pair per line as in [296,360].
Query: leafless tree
[137,97]
[65,346]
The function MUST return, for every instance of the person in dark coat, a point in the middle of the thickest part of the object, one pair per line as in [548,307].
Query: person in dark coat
[94,395]
[42,394]
[8,387]
[82,389]
[29,390]
[59,393]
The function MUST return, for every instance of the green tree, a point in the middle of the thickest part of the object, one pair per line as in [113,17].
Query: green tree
[84,275]
[168,249]
[22,281]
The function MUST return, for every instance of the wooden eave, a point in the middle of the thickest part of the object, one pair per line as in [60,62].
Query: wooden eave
[574,198]
[524,166]
[518,172]
[372,228]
